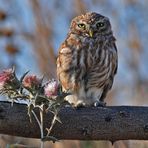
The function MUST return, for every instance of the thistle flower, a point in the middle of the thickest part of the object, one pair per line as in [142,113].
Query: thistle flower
[31,81]
[51,88]
[6,77]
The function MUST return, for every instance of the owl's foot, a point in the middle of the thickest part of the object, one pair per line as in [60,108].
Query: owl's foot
[79,104]
[99,104]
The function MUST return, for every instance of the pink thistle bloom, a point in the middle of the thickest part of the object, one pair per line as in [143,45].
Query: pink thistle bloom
[5,77]
[2,84]
[51,88]
[31,81]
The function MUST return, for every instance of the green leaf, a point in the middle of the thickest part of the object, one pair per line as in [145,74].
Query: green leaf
[21,79]
[39,99]
[30,108]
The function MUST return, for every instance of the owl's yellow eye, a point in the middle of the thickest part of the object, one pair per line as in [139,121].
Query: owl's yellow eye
[100,24]
[82,26]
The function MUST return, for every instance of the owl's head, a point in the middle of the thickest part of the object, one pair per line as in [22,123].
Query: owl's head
[91,24]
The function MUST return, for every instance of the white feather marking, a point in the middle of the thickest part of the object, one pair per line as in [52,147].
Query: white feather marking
[94,94]
[65,50]
[73,79]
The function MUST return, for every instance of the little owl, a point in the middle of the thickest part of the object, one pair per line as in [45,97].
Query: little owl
[87,60]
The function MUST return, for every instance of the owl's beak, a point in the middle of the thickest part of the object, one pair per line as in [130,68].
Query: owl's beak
[91,33]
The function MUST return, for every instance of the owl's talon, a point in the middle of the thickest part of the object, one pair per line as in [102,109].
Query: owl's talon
[80,105]
[99,104]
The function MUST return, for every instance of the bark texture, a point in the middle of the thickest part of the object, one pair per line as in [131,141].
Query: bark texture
[104,123]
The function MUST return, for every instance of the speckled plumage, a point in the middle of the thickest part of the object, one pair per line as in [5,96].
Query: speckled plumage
[87,60]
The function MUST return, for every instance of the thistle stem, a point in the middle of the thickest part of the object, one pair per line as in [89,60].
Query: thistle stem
[41,128]
[40,123]
[52,124]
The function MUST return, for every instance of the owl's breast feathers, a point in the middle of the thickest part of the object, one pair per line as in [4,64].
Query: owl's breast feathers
[88,62]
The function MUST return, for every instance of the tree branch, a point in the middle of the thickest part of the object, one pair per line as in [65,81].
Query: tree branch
[103,123]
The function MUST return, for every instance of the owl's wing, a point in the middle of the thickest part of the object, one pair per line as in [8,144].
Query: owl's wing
[64,65]
[114,67]
[114,71]
[115,61]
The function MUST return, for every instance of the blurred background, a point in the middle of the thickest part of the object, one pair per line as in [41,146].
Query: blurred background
[31,32]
